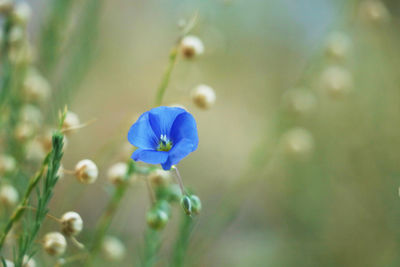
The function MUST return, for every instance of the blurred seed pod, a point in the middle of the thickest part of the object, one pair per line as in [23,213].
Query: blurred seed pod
[191,46]
[113,249]
[117,172]
[7,164]
[164,206]
[196,204]
[28,262]
[54,243]
[17,35]
[8,195]
[71,223]
[159,177]
[24,131]
[300,101]
[374,11]
[21,13]
[35,151]
[36,88]
[338,46]
[8,263]
[186,204]
[336,81]
[156,218]
[86,171]
[174,193]
[6,6]
[31,114]
[71,121]
[22,54]
[203,96]
[298,143]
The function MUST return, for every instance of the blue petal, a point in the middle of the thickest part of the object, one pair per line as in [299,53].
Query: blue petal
[180,150]
[150,156]
[162,118]
[166,165]
[141,134]
[184,127]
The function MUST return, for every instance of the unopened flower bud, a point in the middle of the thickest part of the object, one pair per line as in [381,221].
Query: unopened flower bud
[159,177]
[113,249]
[8,195]
[191,46]
[338,46]
[299,101]
[7,164]
[186,204]
[117,172]
[35,151]
[6,6]
[203,96]
[374,11]
[157,218]
[196,204]
[21,13]
[298,142]
[31,114]
[36,88]
[24,131]
[337,81]
[54,244]
[86,171]
[71,121]
[71,223]
[28,262]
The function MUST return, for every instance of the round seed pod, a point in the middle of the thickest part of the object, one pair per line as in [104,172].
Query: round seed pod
[374,11]
[117,172]
[86,171]
[6,6]
[54,243]
[8,195]
[7,164]
[113,249]
[28,262]
[157,218]
[338,46]
[21,13]
[36,88]
[8,263]
[299,101]
[203,96]
[24,131]
[35,152]
[191,46]
[31,114]
[17,35]
[196,204]
[71,121]
[22,55]
[298,143]
[336,81]
[159,177]
[71,223]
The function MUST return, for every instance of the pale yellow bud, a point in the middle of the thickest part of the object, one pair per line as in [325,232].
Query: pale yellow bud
[21,55]
[54,243]
[28,262]
[338,46]
[86,171]
[17,35]
[71,121]
[113,249]
[71,223]
[298,143]
[24,131]
[36,88]
[116,173]
[35,151]
[21,13]
[203,96]
[300,101]
[191,46]
[7,164]
[336,81]
[159,177]
[32,115]
[374,11]
[8,195]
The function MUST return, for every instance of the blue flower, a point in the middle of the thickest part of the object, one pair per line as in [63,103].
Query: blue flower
[163,135]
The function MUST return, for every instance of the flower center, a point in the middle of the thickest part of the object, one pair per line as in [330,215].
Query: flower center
[164,144]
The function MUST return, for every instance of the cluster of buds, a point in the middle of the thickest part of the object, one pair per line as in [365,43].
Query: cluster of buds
[191,204]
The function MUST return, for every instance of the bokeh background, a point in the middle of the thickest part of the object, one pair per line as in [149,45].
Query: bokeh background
[298,164]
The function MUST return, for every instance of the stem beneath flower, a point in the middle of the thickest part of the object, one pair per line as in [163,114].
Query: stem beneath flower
[179,179]
[152,195]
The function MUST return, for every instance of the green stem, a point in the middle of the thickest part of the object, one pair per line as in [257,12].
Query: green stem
[182,243]
[152,246]
[173,55]
[18,212]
